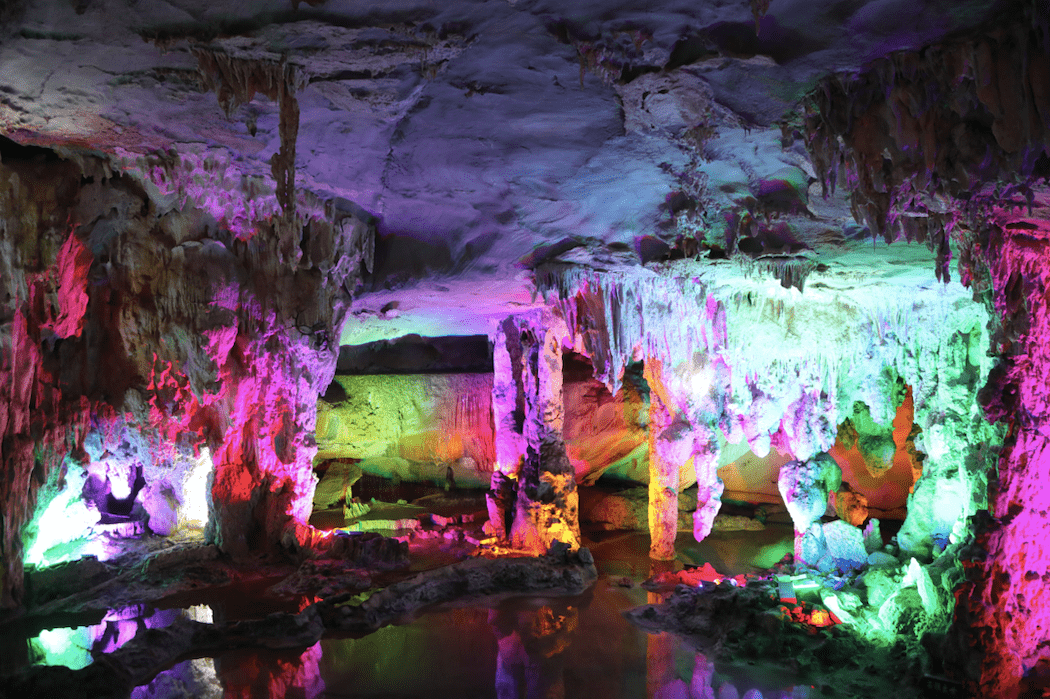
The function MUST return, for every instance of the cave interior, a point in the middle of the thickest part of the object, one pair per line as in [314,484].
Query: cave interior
[665,349]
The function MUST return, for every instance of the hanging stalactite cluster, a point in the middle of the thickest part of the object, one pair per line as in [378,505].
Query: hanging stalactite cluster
[917,137]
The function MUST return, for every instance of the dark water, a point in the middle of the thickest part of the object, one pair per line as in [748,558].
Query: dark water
[567,647]
[533,647]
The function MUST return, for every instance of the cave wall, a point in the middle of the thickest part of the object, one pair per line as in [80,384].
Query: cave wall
[1005,608]
[129,305]
[604,432]
[981,195]
[402,422]
[446,418]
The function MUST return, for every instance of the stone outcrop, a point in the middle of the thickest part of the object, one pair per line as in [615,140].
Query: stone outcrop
[982,189]
[130,316]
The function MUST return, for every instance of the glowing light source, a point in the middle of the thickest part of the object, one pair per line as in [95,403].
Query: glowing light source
[701,383]
[63,529]
[193,514]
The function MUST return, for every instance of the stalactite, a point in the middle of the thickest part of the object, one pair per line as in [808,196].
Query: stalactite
[792,384]
[885,128]
[236,80]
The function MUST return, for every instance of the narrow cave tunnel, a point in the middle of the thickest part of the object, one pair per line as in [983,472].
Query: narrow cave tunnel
[492,349]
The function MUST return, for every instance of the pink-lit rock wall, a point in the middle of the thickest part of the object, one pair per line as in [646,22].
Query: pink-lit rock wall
[43,289]
[121,305]
[1008,599]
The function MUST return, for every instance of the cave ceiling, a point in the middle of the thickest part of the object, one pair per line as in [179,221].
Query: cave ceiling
[485,139]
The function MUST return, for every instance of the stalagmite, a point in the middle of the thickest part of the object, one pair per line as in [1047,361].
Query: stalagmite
[532,500]
[670,446]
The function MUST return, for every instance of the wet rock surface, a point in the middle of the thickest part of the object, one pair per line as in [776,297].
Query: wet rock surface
[560,572]
[749,627]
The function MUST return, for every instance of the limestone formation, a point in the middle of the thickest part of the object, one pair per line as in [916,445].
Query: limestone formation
[810,233]
[805,487]
[533,500]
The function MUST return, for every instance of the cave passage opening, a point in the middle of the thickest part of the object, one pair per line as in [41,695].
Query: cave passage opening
[404,431]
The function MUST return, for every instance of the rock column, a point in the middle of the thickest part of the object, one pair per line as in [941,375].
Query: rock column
[670,445]
[674,442]
[1004,608]
[533,499]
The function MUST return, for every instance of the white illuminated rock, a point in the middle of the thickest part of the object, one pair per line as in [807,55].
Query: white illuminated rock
[805,487]
[845,544]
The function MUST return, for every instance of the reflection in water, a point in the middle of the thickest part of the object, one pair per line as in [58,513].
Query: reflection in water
[660,672]
[450,652]
[705,683]
[674,671]
[532,645]
[661,648]
[255,674]
[74,647]
[191,678]
[535,648]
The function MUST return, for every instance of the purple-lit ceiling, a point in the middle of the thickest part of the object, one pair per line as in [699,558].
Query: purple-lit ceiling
[483,136]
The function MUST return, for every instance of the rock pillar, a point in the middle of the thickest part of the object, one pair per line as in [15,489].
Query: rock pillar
[670,446]
[675,440]
[533,499]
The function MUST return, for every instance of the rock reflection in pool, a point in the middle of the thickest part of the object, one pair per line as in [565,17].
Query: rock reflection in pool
[532,648]
[255,674]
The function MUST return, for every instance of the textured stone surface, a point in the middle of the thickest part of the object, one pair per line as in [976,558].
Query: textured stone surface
[603,431]
[805,487]
[422,418]
[176,260]
[845,544]
[850,506]
[191,370]
[336,484]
